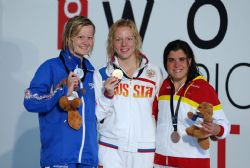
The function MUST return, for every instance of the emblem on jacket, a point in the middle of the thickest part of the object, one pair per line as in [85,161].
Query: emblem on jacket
[150,73]
[91,85]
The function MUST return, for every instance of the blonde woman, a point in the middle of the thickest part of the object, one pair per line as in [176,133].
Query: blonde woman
[125,90]
[61,145]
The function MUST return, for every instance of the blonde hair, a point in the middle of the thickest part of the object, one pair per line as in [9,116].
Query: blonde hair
[111,36]
[72,28]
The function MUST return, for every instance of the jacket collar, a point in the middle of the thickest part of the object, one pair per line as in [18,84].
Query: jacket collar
[72,61]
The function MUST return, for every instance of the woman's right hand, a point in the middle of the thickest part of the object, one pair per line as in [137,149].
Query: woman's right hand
[109,85]
[72,83]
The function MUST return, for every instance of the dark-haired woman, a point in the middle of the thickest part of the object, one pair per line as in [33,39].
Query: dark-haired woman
[182,91]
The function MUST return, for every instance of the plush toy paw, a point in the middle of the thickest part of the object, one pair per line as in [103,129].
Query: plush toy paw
[64,103]
[204,143]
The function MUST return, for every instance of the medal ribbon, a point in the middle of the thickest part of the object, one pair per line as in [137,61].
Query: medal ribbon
[67,69]
[174,113]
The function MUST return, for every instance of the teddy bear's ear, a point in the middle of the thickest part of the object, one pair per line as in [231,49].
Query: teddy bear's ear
[62,82]
[210,105]
[59,85]
[205,105]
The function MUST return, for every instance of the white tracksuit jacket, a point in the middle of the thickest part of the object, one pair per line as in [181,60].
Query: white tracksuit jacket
[126,121]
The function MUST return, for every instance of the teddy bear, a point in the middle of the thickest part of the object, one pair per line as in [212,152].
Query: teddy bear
[70,104]
[205,111]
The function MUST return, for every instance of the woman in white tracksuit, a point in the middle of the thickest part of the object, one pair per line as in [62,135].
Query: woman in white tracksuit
[124,103]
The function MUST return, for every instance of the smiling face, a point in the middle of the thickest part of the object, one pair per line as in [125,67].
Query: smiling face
[83,42]
[178,65]
[124,43]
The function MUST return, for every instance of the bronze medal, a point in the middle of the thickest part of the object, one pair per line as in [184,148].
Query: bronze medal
[175,137]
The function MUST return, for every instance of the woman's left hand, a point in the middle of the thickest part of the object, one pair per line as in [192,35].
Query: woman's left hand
[211,128]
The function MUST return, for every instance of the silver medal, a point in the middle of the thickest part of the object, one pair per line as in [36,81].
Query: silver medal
[79,72]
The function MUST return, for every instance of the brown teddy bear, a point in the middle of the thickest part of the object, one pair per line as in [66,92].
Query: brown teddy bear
[70,104]
[205,111]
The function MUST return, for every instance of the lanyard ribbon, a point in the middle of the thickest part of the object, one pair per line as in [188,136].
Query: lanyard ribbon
[174,113]
[67,69]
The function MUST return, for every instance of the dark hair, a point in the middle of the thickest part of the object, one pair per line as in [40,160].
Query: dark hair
[175,45]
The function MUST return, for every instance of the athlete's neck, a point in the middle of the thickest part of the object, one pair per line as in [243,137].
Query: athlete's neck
[129,65]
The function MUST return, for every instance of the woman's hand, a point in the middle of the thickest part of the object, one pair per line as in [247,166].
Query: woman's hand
[211,128]
[72,83]
[110,84]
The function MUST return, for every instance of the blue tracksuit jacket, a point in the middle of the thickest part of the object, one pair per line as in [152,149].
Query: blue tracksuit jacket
[60,144]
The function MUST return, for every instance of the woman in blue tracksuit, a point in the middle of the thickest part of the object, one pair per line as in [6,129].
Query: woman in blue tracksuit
[61,145]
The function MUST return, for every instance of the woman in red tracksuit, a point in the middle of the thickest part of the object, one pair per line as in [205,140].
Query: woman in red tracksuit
[182,91]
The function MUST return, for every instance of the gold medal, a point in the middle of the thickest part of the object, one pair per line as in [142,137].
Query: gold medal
[118,74]
[175,137]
